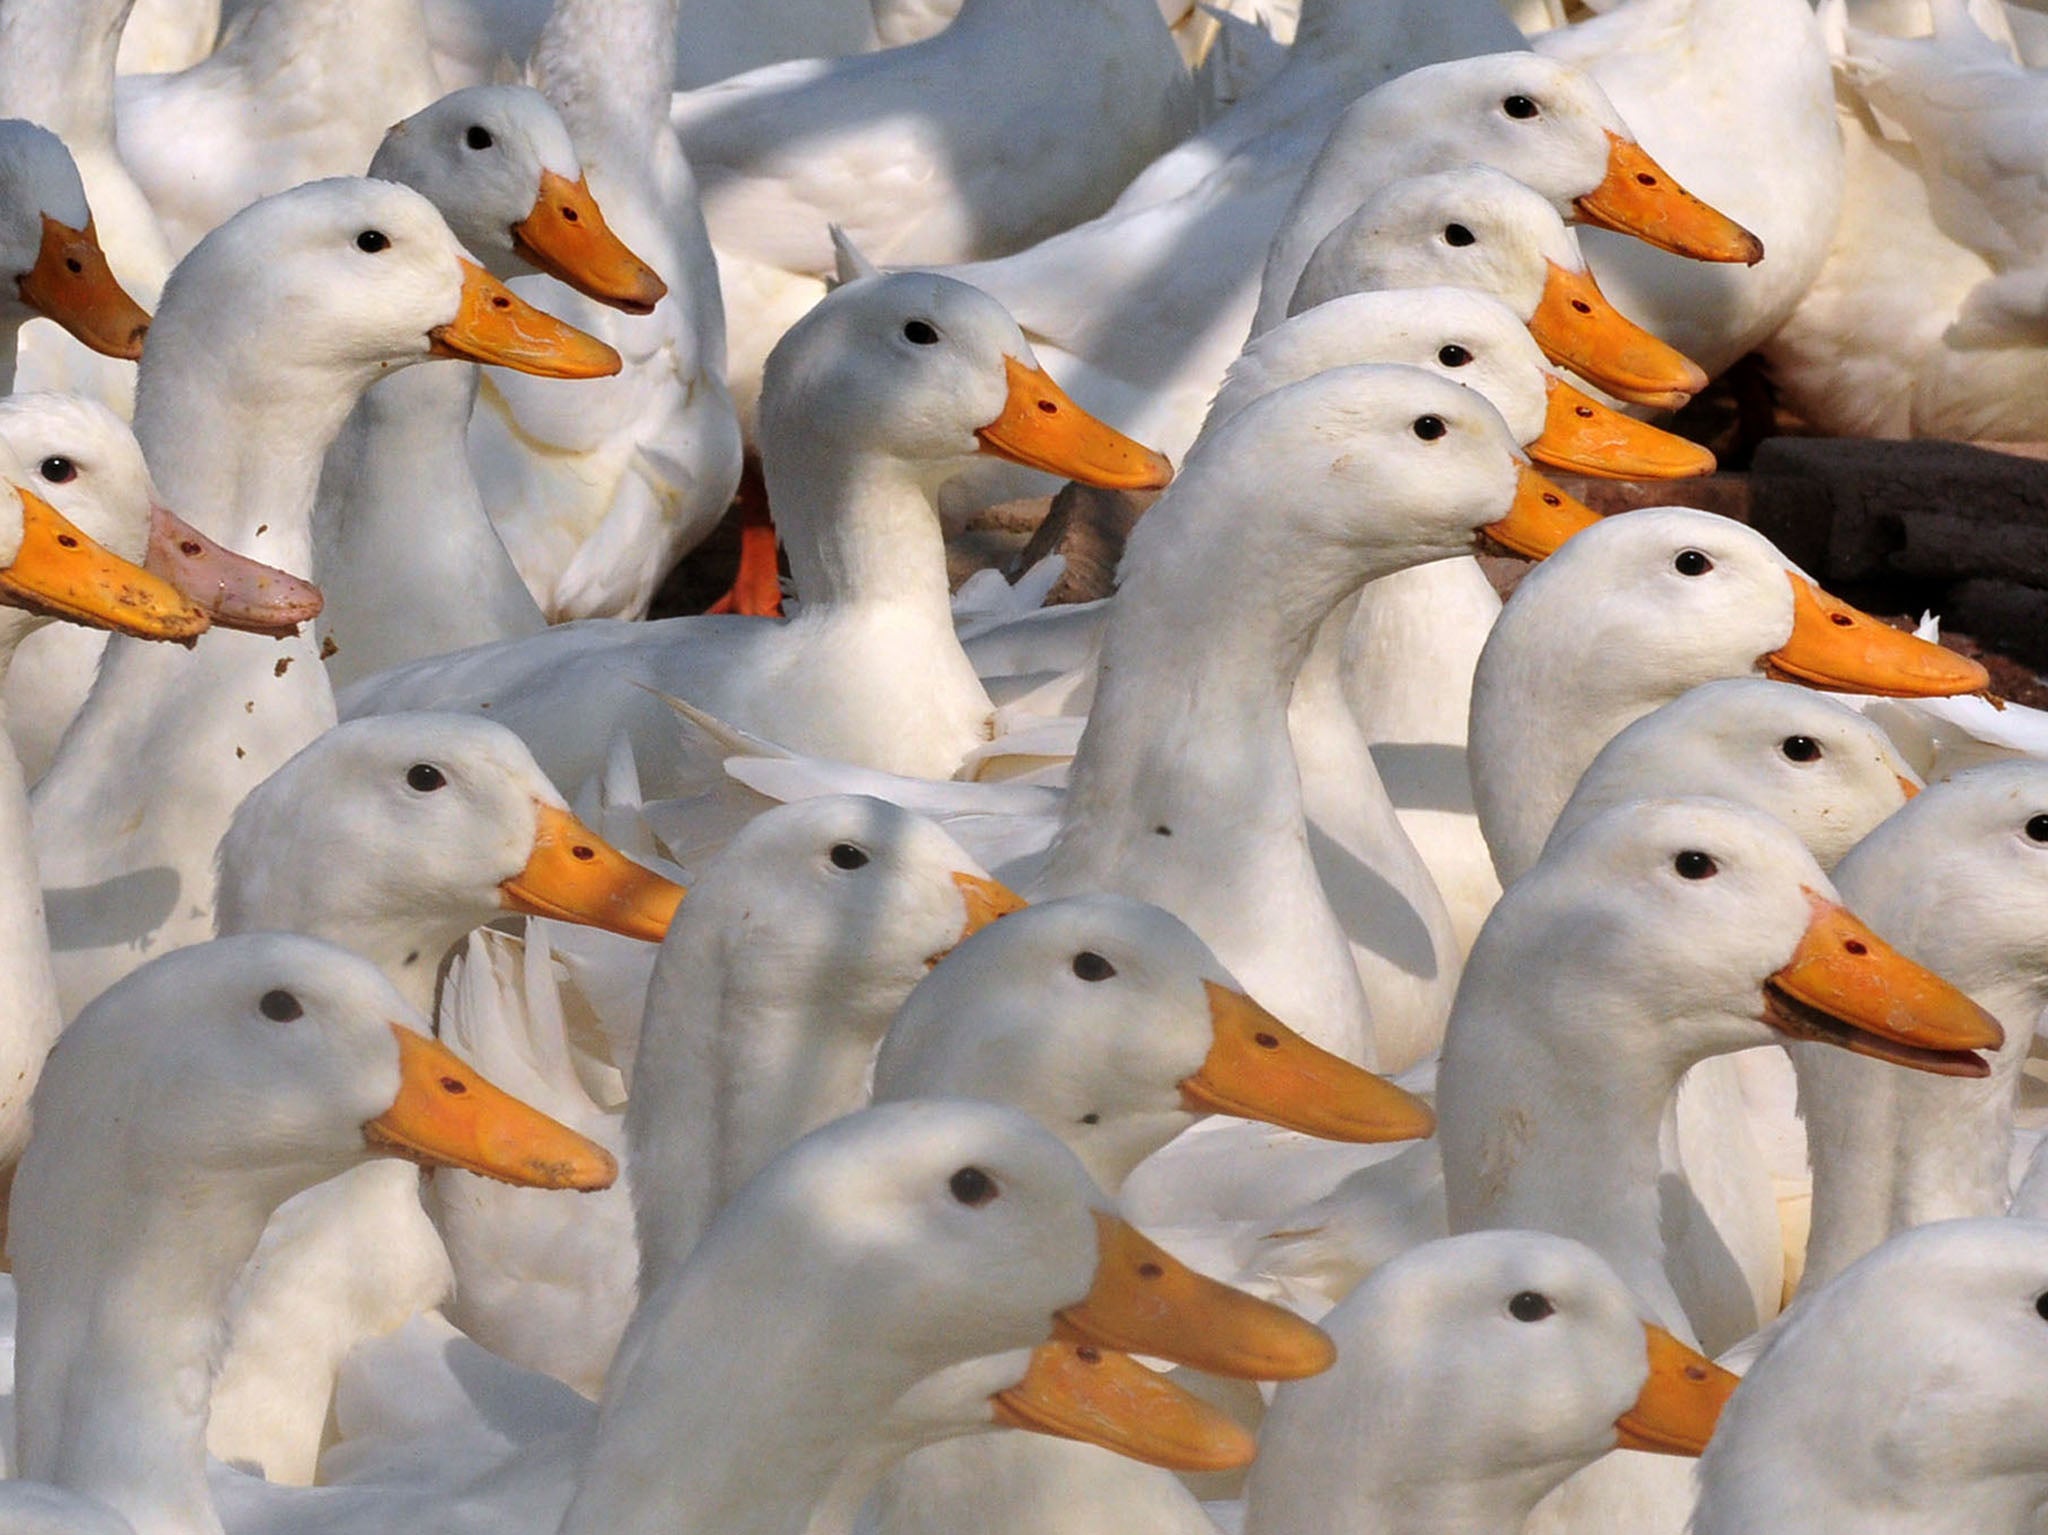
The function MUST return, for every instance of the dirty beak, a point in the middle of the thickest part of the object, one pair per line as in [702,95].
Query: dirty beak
[1041,428]
[566,237]
[574,875]
[1582,435]
[986,899]
[1680,1402]
[493,324]
[63,574]
[1638,197]
[1146,1301]
[1101,1397]
[1578,329]
[445,1115]
[1836,646]
[1258,1068]
[1846,986]
[236,592]
[72,284]
[1539,520]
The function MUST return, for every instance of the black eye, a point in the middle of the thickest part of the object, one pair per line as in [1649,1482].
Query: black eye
[972,1186]
[1091,1118]
[921,332]
[2041,1305]
[1692,865]
[280,1006]
[425,777]
[1519,106]
[1090,966]
[1690,562]
[1458,234]
[1454,356]
[846,856]
[1529,1306]
[58,470]
[1800,748]
[1429,428]
[2037,828]
[373,241]
[478,137]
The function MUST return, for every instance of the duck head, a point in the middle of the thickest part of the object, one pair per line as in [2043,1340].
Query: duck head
[49,251]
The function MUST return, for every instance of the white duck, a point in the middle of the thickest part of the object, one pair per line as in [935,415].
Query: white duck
[234,419]
[83,455]
[403,548]
[166,35]
[885,390]
[148,1182]
[1716,89]
[294,91]
[1020,119]
[1897,1398]
[870,1262]
[1473,1375]
[597,490]
[1947,880]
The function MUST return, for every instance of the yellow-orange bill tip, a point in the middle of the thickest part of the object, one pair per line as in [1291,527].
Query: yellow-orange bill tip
[1578,328]
[447,1115]
[1835,646]
[1101,1397]
[60,572]
[493,324]
[574,875]
[1681,1401]
[1041,428]
[1585,437]
[1258,1068]
[566,236]
[1638,197]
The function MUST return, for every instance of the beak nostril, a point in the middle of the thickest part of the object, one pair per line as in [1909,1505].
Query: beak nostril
[73,265]
[1856,946]
[569,214]
[454,1086]
[1049,407]
[1646,178]
[1150,1271]
[67,540]
[1087,1353]
[1694,1372]
[1582,306]
[1552,499]
[1841,620]
[583,852]
[1266,1041]
[1585,412]
[501,302]
[189,549]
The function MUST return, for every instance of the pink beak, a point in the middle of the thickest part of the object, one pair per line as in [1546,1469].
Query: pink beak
[236,592]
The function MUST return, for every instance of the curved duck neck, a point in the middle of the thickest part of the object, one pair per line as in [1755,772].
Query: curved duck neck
[860,527]
[28,985]
[57,66]
[609,68]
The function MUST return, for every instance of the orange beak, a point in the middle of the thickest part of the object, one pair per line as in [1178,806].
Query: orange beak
[1041,428]
[1258,1068]
[1582,435]
[1637,197]
[1835,646]
[1578,329]
[445,1115]
[1680,1402]
[237,592]
[1146,1301]
[60,572]
[495,325]
[574,875]
[1101,1397]
[986,899]
[1846,986]
[566,237]
[72,284]
[1539,520]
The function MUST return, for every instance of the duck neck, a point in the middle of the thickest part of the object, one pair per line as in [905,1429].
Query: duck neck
[730,1071]
[121,1295]
[609,67]
[859,527]
[57,66]
[28,985]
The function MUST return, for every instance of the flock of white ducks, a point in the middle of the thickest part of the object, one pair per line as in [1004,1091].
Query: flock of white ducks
[465,1069]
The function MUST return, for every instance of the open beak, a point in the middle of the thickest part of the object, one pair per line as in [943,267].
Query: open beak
[1836,646]
[445,1115]
[236,592]
[1041,428]
[1102,1397]
[986,899]
[1582,435]
[1846,986]
[1680,1402]
[1258,1068]
[574,875]
[72,284]
[566,237]
[62,573]
[1539,520]
[1146,1301]
[1578,329]
[1638,197]
[495,325]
